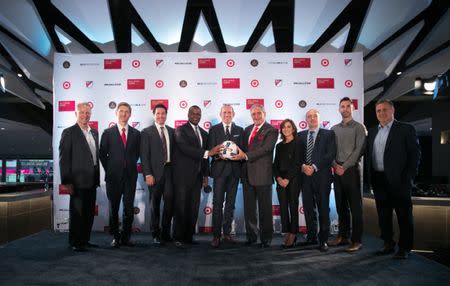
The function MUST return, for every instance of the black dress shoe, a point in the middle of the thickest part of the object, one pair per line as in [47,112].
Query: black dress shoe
[79,248]
[265,244]
[250,242]
[92,245]
[401,254]
[388,248]
[323,247]
[115,243]
[156,240]
[179,244]
[307,243]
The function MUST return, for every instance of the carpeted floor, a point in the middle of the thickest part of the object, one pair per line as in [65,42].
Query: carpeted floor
[45,259]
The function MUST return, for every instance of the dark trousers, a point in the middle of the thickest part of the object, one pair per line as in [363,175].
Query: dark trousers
[347,192]
[162,189]
[81,211]
[316,199]
[123,191]
[187,202]
[223,217]
[288,198]
[261,195]
[387,199]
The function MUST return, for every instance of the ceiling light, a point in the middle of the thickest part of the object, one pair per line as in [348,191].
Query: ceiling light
[2,83]
[399,73]
[429,86]
[19,75]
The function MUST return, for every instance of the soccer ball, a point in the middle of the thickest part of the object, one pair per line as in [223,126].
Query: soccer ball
[229,149]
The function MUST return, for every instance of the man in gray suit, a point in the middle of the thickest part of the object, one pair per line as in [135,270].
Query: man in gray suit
[258,144]
[156,158]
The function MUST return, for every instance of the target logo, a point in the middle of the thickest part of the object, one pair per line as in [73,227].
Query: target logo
[207,125]
[136,63]
[230,63]
[254,83]
[302,124]
[136,210]
[159,83]
[183,104]
[111,124]
[66,85]
[348,83]
[301,210]
[207,210]
[278,103]
[324,62]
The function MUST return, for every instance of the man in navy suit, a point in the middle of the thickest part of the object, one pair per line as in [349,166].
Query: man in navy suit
[393,155]
[190,174]
[119,152]
[157,143]
[226,174]
[78,163]
[317,177]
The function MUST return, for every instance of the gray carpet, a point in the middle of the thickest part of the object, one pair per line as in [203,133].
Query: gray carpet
[45,259]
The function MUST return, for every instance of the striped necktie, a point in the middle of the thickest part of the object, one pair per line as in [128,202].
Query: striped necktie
[309,148]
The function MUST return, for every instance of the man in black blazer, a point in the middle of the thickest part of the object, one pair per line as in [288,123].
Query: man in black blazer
[157,143]
[317,177]
[78,163]
[226,174]
[190,174]
[119,152]
[259,142]
[393,155]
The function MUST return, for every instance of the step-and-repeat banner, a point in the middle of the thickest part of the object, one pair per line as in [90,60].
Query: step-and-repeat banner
[287,84]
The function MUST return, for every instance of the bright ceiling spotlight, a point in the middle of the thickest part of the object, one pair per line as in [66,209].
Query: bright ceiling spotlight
[429,86]
[2,83]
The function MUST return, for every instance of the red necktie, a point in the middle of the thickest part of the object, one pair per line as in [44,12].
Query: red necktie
[124,137]
[252,136]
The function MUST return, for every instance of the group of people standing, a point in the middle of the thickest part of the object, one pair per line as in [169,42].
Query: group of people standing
[176,164]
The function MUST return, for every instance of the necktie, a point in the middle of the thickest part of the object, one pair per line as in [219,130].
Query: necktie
[164,143]
[124,137]
[309,148]
[252,136]
[227,132]
[198,135]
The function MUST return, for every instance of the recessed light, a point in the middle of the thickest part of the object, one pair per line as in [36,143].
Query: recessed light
[2,128]
[19,75]
[399,73]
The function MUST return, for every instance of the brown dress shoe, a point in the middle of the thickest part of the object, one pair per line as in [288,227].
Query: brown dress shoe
[215,242]
[338,241]
[355,246]
[229,239]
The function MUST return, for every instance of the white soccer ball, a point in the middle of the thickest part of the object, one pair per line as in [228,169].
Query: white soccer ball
[229,149]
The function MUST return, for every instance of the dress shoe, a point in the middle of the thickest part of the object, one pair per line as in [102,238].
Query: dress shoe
[192,242]
[265,244]
[401,254]
[338,241]
[291,241]
[388,248]
[128,243]
[215,242]
[79,248]
[229,239]
[307,243]
[323,247]
[156,240]
[250,242]
[115,243]
[355,246]
[179,244]
[92,245]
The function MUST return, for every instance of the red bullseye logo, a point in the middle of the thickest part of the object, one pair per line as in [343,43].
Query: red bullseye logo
[230,63]
[66,85]
[136,63]
[207,125]
[348,83]
[303,124]
[183,104]
[207,210]
[254,83]
[300,210]
[159,83]
[325,62]
[278,104]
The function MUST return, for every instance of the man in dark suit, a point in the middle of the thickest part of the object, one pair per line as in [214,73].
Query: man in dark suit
[119,152]
[317,177]
[259,142]
[190,174]
[393,155]
[156,157]
[78,163]
[226,174]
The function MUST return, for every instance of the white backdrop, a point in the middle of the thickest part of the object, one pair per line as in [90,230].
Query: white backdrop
[287,84]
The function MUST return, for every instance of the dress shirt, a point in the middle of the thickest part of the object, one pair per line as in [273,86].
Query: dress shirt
[379,145]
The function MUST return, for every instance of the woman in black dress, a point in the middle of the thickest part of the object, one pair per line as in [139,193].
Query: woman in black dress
[286,168]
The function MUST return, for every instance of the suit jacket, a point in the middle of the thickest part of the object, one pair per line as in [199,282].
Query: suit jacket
[152,155]
[258,168]
[323,154]
[401,155]
[217,136]
[76,164]
[188,155]
[118,160]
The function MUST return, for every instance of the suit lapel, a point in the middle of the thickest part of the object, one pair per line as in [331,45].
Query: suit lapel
[389,139]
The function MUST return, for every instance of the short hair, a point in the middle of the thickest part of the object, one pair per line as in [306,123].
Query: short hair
[81,104]
[226,105]
[381,101]
[345,99]
[194,107]
[257,105]
[123,104]
[159,105]
[312,109]
[294,128]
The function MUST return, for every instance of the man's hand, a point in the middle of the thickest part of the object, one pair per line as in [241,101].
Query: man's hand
[69,188]
[215,150]
[150,180]
[308,170]
[339,170]
[240,155]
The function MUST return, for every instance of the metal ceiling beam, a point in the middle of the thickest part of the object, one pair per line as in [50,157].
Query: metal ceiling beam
[281,14]
[191,18]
